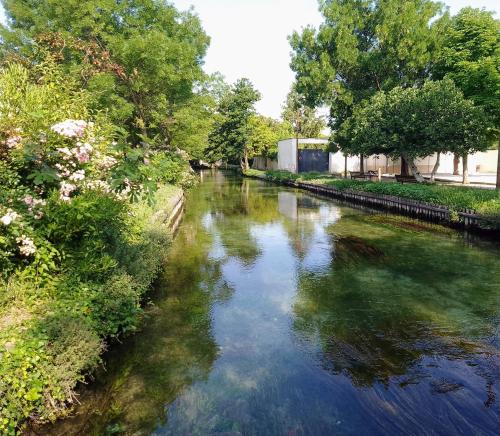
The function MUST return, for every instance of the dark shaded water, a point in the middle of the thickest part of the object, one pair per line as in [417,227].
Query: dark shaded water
[283,314]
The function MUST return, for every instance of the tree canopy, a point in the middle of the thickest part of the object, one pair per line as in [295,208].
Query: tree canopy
[303,119]
[231,133]
[363,47]
[264,135]
[415,122]
[146,57]
[470,56]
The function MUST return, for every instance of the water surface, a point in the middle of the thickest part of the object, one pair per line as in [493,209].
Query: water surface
[280,313]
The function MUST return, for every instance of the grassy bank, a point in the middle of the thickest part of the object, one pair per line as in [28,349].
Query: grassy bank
[483,201]
[54,326]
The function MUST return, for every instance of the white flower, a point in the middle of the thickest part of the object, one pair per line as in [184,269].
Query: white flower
[65,151]
[65,191]
[32,203]
[27,246]
[107,162]
[9,217]
[98,185]
[82,156]
[13,141]
[63,171]
[77,175]
[28,200]
[70,128]
[86,148]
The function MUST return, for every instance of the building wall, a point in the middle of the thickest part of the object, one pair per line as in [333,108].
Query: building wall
[483,162]
[337,163]
[287,155]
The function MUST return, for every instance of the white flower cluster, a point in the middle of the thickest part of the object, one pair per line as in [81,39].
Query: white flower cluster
[9,217]
[13,141]
[98,185]
[77,176]
[26,246]
[14,138]
[70,128]
[107,162]
[70,169]
[81,153]
[65,191]
[33,206]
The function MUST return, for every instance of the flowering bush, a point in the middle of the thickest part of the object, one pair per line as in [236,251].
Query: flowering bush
[74,259]
[70,128]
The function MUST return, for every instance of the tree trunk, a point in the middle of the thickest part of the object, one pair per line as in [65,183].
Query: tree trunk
[498,167]
[436,167]
[465,163]
[345,166]
[404,167]
[414,169]
[361,163]
[456,162]
[244,160]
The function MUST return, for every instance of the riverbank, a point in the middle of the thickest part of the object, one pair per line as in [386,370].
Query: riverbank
[54,328]
[455,206]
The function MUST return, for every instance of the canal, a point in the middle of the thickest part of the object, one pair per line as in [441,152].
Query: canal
[280,313]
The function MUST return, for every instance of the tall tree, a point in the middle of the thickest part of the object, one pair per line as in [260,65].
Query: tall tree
[364,46]
[230,138]
[416,122]
[303,119]
[159,51]
[264,135]
[470,56]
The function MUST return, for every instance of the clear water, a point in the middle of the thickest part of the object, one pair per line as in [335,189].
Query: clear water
[280,313]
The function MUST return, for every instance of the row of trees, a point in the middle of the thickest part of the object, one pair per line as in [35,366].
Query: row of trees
[141,60]
[370,59]
[240,134]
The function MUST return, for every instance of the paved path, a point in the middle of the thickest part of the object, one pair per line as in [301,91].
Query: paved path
[485,180]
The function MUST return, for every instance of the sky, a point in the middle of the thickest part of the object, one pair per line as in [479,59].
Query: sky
[249,39]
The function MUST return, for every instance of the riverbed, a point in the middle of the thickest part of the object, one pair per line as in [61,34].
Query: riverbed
[281,313]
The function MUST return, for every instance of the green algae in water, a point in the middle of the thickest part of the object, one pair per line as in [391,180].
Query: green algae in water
[281,313]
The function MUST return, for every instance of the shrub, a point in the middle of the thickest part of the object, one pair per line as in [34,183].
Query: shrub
[115,308]
[76,256]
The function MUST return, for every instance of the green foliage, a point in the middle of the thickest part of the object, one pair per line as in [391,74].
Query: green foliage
[76,257]
[264,135]
[302,118]
[415,122]
[470,56]
[52,333]
[361,48]
[140,59]
[231,134]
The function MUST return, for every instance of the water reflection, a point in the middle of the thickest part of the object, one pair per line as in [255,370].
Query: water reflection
[281,313]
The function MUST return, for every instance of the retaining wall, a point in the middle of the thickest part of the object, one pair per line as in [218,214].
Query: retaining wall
[467,219]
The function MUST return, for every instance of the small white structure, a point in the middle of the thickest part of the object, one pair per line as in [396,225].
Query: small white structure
[288,152]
